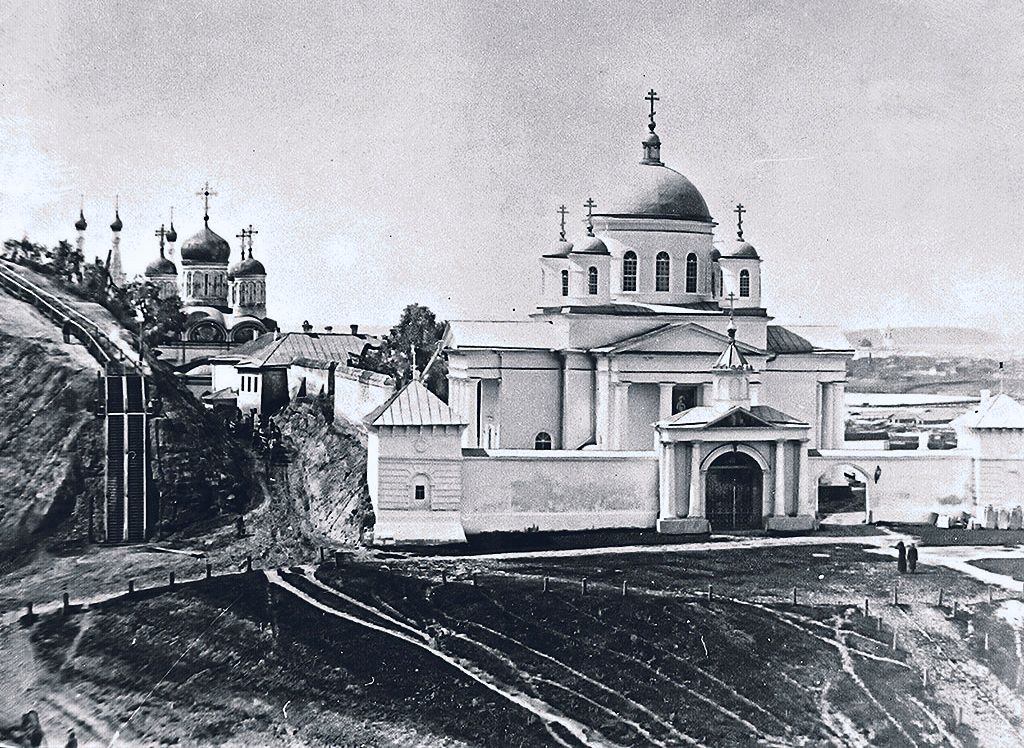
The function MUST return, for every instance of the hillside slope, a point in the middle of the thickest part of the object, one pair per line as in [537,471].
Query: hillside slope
[326,469]
[51,458]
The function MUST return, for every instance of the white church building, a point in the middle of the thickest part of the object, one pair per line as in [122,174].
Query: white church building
[651,389]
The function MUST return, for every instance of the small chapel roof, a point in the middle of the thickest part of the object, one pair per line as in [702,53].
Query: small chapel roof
[998,412]
[756,415]
[414,405]
[286,349]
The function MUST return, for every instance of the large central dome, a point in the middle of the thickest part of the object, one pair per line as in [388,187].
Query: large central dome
[206,247]
[650,190]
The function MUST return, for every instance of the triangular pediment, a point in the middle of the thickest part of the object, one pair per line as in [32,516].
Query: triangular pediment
[739,418]
[676,337]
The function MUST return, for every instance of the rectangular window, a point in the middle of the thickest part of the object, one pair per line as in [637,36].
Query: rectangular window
[421,493]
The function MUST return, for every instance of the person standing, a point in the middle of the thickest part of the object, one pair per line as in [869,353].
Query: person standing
[912,558]
[901,558]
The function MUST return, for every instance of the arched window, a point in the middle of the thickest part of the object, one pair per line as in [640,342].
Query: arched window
[543,441]
[592,281]
[629,271]
[565,283]
[661,271]
[744,283]
[691,273]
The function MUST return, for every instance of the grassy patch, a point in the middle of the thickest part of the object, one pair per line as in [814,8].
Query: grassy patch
[1011,567]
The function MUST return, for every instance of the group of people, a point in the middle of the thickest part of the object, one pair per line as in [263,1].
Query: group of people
[906,558]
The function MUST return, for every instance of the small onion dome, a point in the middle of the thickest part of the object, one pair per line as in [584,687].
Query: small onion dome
[206,247]
[559,248]
[246,268]
[80,224]
[161,266]
[590,245]
[745,250]
[172,235]
[116,225]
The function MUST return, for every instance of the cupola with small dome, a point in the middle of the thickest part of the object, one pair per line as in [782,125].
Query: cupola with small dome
[740,269]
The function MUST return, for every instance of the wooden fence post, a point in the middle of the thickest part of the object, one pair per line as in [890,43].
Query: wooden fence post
[170,579]
[248,563]
[794,596]
[623,587]
[546,584]
[895,593]
[894,640]
[131,587]
[583,585]
[28,609]
[941,593]
[866,607]
[65,603]
[444,577]
[209,570]
[473,577]
[711,591]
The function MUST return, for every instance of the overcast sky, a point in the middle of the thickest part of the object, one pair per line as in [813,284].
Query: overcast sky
[390,153]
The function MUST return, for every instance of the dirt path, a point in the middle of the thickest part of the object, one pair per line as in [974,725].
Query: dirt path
[584,734]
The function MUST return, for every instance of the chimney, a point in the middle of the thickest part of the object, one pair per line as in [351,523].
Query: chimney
[355,329]
[306,327]
[328,328]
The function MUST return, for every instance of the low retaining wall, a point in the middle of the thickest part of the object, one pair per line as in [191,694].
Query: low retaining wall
[911,485]
[551,490]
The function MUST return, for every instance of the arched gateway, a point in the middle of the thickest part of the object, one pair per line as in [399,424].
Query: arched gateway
[733,492]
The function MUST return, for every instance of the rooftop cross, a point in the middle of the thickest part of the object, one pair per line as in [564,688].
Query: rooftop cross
[652,97]
[590,205]
[251,232]
[562,210]
[161,233]
[732,321]
[242,235]
[739,211]
[206,194]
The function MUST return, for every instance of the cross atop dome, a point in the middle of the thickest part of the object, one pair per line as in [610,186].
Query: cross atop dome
[206,194]
[652,96]
[562,211]
[251,232]
[160,232]
[739,211]
[589,205]
[652,143]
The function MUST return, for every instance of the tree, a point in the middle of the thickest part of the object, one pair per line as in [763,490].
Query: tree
[60,260]
[162,317]
[418,334]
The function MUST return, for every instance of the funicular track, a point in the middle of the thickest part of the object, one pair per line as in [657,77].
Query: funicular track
[128,511]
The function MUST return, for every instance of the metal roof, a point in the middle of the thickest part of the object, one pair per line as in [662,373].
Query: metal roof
[414,405]
[806,339]
[290,347]
[998,412]
[706,415]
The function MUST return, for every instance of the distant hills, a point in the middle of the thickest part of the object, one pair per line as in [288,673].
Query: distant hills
[970,342]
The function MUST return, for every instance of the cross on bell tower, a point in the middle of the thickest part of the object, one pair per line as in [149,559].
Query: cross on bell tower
[739,211]
[562,211]
[590,205]
[206,194]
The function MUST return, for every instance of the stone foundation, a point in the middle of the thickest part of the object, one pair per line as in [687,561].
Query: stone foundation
[684,526]
[803,523]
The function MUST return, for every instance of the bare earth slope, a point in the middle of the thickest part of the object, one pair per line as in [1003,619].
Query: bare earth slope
[50,443]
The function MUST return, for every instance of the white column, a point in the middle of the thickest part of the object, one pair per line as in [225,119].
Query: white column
[780,479]
[708,395]
[839,416]
[696,508]
[667,480]
[826,415]
[804,503]
[620,423]
[664,401]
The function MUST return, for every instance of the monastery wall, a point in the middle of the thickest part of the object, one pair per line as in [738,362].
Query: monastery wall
[520,490]
[912,484]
